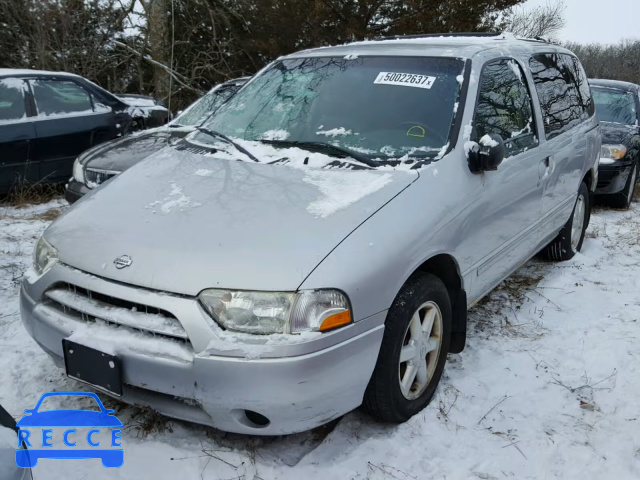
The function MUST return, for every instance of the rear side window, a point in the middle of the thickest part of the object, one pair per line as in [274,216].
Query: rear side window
[60,97]
[12,100]
[563,92]
[583,87]
[505,106]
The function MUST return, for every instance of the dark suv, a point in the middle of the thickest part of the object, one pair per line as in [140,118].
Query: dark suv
[618,110]
[47,119]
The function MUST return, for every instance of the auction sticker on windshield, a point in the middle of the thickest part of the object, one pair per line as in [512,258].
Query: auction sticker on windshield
[405,79]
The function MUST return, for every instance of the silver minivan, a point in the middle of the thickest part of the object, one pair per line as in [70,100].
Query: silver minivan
[316,245]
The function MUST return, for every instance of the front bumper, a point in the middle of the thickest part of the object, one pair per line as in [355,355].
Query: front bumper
[75,191]
[612,178]
[297,387]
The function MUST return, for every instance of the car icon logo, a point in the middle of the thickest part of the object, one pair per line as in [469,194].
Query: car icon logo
[123,261]
[35,432]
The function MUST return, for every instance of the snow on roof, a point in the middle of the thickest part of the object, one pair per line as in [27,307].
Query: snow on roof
[597,82]
[461,46]
[21,72]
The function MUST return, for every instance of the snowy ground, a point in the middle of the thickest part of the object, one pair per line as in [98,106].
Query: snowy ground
[548,387]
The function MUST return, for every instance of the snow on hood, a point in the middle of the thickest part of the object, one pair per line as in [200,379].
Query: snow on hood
[191,221]
[138,101]
[340,190]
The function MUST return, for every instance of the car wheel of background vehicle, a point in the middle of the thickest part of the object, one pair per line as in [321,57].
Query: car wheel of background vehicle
[413,351]
[623,199]
[569,240]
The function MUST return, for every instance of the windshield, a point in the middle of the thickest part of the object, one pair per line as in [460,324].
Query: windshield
[201,109]
[380,107]
[616,106]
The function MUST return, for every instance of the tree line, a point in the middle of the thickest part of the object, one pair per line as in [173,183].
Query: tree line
[177,49]
[612,62]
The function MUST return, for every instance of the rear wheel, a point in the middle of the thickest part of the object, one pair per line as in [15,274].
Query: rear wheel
[623,198]
[413,352]
[569,240]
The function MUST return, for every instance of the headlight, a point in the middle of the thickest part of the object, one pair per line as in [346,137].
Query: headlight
[44,256]
[78,171]
[277,312]
[613,152]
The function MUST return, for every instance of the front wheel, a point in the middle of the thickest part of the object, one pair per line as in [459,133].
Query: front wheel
[569,240]
[413,351]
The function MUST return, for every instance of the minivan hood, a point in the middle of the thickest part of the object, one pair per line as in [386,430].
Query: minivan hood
[190,221]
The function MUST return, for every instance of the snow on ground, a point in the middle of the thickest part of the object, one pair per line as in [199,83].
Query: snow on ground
[548,386]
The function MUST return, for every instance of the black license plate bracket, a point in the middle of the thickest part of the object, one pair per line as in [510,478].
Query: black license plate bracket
[91,366]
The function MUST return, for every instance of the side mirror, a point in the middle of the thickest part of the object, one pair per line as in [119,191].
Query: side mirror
[486,155]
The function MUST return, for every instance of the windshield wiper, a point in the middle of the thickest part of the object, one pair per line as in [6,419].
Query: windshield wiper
[322,147]
[226,139]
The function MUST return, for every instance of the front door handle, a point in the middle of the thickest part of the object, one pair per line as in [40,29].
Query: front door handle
[546,167]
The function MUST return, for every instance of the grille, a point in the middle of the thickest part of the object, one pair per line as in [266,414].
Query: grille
[97,177]
[90,306]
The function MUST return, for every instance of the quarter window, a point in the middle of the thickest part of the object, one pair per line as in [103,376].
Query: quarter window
[583,86]
[564,94]
[60,97]
[505,106]
[12,99]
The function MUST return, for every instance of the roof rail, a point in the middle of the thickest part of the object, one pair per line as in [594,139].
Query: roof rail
[537,39]
[438,35]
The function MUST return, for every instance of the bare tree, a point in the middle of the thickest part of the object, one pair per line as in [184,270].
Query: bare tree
[614,62]
[177,49]
[540,22]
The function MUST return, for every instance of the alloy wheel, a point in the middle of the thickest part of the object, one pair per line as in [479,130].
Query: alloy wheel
[420,350]
[579,214]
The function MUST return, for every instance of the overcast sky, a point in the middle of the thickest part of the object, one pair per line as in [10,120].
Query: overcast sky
[602,21]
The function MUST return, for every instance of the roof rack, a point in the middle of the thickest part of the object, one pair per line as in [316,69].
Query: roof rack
[538,40]
[439,35]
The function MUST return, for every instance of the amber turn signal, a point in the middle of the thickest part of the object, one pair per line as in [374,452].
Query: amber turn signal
[336,320]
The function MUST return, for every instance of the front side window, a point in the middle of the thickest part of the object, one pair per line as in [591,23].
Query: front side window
[60,97]
[380,107]
[559,92]
[207,105]
[615,106]
[12,105]
[505,106]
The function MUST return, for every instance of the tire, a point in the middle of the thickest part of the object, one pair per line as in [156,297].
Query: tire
[569,240]
[623,198]
[385,399]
